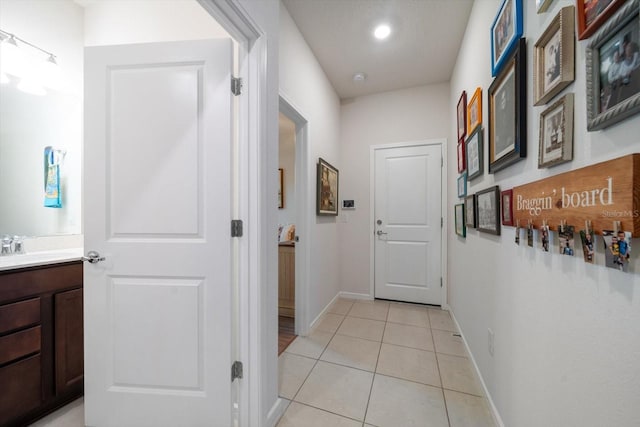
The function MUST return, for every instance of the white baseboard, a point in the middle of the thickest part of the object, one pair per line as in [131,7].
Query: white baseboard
[349,295]
[276,412]
[353,295]
[494,411]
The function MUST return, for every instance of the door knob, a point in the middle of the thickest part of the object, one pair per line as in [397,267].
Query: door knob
[93,257]
[380,232]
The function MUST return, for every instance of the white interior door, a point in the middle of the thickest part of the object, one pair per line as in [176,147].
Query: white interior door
[407,219]
[157,204]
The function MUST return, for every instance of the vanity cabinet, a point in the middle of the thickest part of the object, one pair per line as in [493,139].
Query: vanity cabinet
[287,279]
[41,341]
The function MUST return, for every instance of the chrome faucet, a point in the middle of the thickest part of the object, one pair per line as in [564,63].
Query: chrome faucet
[11,245]
[5,245]
[18,245]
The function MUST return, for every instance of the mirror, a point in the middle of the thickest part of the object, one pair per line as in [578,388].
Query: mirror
[32,118]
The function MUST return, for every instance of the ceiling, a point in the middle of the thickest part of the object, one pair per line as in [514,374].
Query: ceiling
[422,48]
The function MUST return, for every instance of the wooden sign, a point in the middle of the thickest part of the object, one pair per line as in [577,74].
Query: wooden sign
[607,194]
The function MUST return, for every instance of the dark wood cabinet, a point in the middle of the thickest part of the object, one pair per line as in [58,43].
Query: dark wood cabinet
[41,341]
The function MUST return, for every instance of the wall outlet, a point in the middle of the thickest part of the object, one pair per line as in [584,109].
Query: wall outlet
[491,340]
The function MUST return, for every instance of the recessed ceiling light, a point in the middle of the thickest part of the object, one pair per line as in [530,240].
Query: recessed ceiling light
[382,31]
[359,77]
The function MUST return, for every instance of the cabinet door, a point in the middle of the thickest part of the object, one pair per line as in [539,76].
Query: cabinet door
[69,355]
[20,388]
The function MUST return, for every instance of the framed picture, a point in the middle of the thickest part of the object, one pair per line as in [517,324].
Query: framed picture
[543,5]
[327,189]
[281,188]
[470,210]
[462,185]
[462,116]
[488,211]
[462,165]
[553,57]
[593,13]
[473,152]
[506,30]
[461,228]
[474,111]
[556,133]
[507,207]
[613,75]
[508,112]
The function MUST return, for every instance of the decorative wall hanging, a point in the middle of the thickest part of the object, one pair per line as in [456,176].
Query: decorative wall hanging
[593,13]
[566,243]
[281,188]
[488,211]
[474,111]
[461,229]
[588,244]
[473,152]
[507,207]
[613,75]
[553,57]
[470,211]
[327,189]
[545,238]
[462,116]
[506,30]
[462,185]
[462,165]
[556,133]
[543,5]
[508,112]
[617,249]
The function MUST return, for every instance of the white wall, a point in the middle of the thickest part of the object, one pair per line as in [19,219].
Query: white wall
[413,114]
[287,162]
[304,85]
[566,333]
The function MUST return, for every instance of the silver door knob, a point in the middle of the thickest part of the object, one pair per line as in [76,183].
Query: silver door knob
[380,232]
[93,257]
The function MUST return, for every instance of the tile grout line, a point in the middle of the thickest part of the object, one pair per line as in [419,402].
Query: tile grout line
[444,398]
[375,370]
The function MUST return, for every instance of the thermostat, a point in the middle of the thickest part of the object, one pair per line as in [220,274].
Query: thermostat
[348,204]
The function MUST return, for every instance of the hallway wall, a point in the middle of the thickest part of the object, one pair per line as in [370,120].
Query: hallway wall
[413,114]
[566,333]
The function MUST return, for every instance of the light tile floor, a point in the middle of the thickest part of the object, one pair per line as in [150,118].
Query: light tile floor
[379,364]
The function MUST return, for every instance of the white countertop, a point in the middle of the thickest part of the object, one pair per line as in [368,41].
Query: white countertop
[32,259]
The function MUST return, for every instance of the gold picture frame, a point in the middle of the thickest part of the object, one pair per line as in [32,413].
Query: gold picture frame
[474,111]
[327,189]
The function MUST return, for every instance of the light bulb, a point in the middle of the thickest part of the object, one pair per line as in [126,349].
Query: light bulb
[382,31]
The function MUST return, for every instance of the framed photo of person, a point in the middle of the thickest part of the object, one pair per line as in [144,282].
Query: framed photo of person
[474,111]
[593,13]
[506,30]
[470,210]
[543,5]
[556,133]
[462,185]
[613,72]
[461,228]
[507,207]
[327,189]
[473,153]
[488,210]
[553,58]
[462,116]
[508,112]
[462,165]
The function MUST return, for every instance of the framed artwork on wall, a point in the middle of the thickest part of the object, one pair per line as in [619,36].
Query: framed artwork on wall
[543,5]
[462,185]
[556,133]
[506,30]
[508,112]
[553,57]
[593,13]
[327,189]
[462,165]
[281,188]
[461,229]
[470,210]
[488,211]
[474,152]
[462,116]
[507,207]
[474,111]
[613,75]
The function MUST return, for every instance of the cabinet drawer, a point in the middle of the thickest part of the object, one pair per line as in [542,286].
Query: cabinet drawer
[21,388]
[19,344]
[19,314]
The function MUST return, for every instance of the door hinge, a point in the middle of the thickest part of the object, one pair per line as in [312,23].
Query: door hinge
[441,282]
[236,85]
[236,228]
[236,370]
[441,162]
[441,222]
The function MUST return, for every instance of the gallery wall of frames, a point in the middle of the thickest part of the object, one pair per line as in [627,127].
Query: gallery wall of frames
[563,211]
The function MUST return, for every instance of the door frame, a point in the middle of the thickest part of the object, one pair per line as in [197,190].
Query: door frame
[442,142]
[304,207]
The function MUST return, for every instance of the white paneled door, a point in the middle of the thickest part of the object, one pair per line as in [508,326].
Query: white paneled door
[407,215]
[157,206]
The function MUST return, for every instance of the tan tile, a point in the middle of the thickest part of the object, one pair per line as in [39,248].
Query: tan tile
[292,371]
[362,328]
[310,346]
[408,336]
[457,374]
[298,415]
[71,415]
[447,343]
[341,306]
[354,352]
[338,389]
[329,322]
[408,315]
[395,402]
[409,364]
[374,310]
[441,319]
[466,410]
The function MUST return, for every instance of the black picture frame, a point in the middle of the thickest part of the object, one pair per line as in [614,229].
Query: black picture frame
[327,186]
[460,225]
[461,111]
[508,112]
[474,150]
[470,210]
[488,210]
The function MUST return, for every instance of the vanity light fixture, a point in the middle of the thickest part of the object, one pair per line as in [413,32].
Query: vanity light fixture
[382,31]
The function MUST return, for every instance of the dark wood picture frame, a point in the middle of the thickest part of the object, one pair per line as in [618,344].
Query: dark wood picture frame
[462,116]
[462,164]
[585,28]
[281,188]
[508,114]
[506,30]
[506,204]
[327,185]
[474,153]
[488,210]
[470,210]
